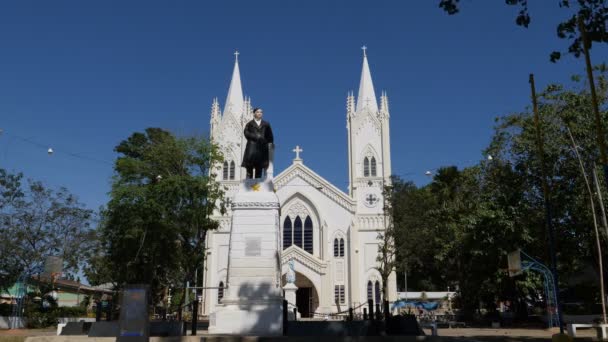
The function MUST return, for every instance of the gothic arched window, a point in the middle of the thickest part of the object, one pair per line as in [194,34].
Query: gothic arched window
[220,292]
[336,248]
[370,290]
[287,233]
[225,173]
[339,247]
[297,232]
[308,235]
[373,167]
[232,170]
[365,167]
[377,292]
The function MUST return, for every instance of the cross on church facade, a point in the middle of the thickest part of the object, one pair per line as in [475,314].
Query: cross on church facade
[297,150]
[371,199]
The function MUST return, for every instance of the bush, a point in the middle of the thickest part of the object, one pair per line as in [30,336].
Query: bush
[6,309]
[38,317]
[74,311]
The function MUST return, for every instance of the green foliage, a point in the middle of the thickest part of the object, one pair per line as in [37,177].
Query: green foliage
[6,309]
[37,318]
[41,317]
[153,229]
[457,230]
[37,222]
[71,311]
[594,13]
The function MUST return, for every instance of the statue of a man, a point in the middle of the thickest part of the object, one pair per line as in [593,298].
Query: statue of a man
[259,139]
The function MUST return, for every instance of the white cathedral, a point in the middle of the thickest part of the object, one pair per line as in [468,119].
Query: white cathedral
[332,236]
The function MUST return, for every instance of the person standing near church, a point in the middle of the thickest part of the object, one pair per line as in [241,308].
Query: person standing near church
[259,138]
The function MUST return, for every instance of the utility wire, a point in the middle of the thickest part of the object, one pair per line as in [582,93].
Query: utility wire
[51,151]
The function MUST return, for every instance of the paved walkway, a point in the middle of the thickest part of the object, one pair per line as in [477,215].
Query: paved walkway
[491,334]
[467,334]
[29,332]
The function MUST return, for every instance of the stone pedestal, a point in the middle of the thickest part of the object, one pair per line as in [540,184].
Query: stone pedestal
[252,303]
[290,296]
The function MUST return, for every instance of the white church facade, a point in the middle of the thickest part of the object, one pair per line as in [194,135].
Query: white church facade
[331,235]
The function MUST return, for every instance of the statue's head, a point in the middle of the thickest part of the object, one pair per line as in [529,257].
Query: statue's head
[257,113]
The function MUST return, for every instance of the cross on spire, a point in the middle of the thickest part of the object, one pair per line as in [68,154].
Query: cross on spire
[364,48]
[297,150]
[236,55]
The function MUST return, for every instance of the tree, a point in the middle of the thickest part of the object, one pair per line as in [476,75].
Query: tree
[37,222]
[594,13]
[457,230]
[154,227]
[387,261]
[559,107]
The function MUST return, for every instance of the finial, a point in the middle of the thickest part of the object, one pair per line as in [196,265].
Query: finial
[364,48]
[236,55]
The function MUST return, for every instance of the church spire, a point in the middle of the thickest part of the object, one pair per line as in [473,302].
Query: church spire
[234,100]
[367,96]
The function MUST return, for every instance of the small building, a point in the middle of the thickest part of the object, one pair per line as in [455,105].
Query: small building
[67,292]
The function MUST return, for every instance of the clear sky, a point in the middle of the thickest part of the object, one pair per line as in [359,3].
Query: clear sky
[80,76]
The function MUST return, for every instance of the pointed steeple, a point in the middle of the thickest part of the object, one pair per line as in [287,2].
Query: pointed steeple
[367,96]
[234,100]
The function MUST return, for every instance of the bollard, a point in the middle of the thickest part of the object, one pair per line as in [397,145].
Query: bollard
[194,316]
[285,316]
[387,312]
[370,303]
[98,311]
[109,310]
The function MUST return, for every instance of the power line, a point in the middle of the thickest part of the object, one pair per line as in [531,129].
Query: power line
[51,151]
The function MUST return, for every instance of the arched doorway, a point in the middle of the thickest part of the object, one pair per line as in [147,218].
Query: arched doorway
[307,297]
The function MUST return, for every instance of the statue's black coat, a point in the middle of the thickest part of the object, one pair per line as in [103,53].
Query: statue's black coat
[258,138]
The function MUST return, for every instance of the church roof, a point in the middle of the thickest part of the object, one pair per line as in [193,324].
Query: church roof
[367,96]
[316,181]
[235,100]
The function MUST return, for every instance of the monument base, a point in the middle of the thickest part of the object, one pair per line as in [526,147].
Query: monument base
[253,299]
[259,320]
[290,296]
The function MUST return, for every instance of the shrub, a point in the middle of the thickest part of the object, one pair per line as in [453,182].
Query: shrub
[40,318]
[6,309]
[74,311]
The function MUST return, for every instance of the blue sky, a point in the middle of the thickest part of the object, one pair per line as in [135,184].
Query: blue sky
[80,76]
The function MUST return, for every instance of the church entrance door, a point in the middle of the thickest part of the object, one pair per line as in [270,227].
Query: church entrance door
[303,301]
